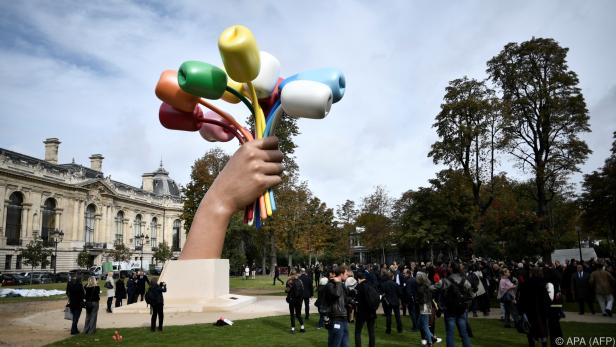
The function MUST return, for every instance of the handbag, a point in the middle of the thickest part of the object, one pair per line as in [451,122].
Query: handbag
[68,315]
[108,285]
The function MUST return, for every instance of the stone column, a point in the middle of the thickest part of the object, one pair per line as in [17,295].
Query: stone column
[70,234]
[25,222]
[2,209]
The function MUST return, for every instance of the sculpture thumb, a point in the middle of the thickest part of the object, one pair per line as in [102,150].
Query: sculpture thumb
[214,133]
[168,91]
[239,53]
[334,78]
[307,99]
[174,119]
[202,79]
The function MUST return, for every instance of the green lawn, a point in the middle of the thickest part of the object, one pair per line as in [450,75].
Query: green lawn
[274,331]
[262,285]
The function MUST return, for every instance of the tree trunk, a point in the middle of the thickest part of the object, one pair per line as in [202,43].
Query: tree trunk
[273,255]
[263,260]
[290,262]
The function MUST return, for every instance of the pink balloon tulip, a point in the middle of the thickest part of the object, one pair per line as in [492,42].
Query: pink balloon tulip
[212,132]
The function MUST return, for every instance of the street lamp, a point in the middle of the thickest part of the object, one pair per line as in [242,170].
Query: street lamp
[57,236]
[140,243]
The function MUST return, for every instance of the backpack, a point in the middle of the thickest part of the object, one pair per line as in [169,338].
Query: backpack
[298,288]
[373,299]
[457,297]
[149,297]
[474,280]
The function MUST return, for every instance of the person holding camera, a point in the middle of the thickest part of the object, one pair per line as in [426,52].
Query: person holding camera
[336,297]
[154,298]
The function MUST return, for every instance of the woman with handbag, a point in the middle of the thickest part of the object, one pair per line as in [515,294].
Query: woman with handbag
[76,294]
[92,299]
[120,292]
[110,290]
[506,295]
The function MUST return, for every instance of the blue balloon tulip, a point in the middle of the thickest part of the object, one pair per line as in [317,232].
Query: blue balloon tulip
[332,77]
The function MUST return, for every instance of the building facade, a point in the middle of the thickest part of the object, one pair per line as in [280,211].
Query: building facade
[40,198]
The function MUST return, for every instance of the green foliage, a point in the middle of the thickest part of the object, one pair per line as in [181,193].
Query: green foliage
[598,201]
[83,259]
[35,254]
[120,252]
[543,114]
[375,218]
[163,252]
[467,126]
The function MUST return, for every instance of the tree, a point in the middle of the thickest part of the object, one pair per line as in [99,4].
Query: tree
[467,127]
[375,216]
[83,259]
[163,252]
[120,252]
[543,113]
[598,200]
[347,216]
[35,254]
[203,173]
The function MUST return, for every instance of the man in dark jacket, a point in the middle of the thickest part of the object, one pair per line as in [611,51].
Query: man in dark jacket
[141,281]
[277,275]
[410,292]
[308,290]
[336,296]
[391,302]
[580,288]
[364,313]
[76,296]
[156,300]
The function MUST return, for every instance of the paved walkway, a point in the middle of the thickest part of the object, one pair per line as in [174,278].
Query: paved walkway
[39,323]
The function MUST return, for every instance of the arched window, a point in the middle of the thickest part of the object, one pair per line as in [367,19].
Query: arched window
[89,232]
[175,246]
[49,219]
[153,232]
[136,230]
[119,227]
[13,219]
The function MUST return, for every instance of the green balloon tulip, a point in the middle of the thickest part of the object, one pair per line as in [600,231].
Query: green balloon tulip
[202,79]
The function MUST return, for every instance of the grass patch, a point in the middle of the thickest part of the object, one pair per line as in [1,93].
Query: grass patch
[261,285]
[274,331]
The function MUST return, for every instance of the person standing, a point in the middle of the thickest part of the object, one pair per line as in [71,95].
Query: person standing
[391,302]
[336,296]
[321,305]
[155,299]
[410,292]
[455,299]
[92,299]
[110,286]
[580,288]
[506,295]
[253,271]
[246,272]
[141,281]
[295,293]
[367,304]
[424,304]
[131,289]
[602,283]
[308,291]
[120,292]
[277,275]
[535,304]
[76,296]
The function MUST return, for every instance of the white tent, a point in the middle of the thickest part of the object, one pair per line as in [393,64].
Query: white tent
[573,253]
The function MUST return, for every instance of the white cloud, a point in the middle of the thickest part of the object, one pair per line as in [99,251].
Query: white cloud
[85,73]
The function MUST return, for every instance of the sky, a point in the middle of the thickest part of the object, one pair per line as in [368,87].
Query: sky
[85,72]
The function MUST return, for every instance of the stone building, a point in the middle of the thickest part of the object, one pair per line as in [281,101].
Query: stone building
[41,198]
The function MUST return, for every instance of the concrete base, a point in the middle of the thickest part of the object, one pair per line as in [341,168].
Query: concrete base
[200,285]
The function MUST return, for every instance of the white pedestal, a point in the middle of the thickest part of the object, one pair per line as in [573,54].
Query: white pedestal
[198,285]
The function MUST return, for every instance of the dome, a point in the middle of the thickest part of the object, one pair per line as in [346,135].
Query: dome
[162,184]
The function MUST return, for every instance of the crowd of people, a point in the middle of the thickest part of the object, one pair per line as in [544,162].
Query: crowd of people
[529,296]
[132,289]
